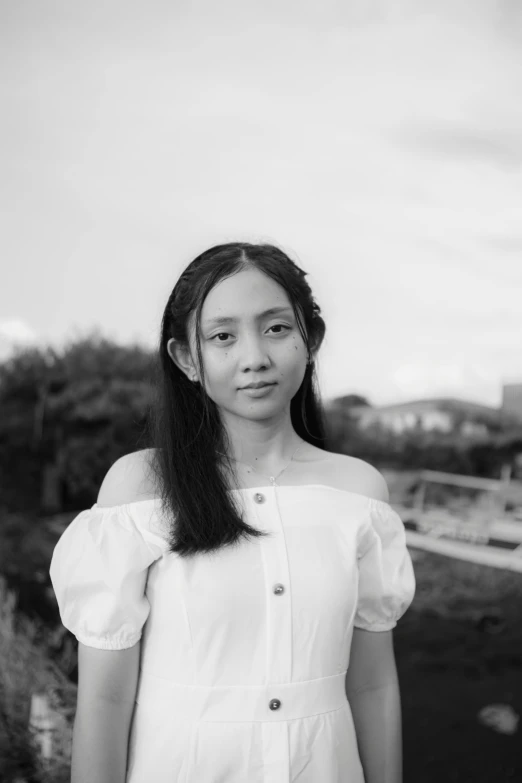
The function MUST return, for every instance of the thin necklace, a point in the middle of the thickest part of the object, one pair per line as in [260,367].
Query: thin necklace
[272,478]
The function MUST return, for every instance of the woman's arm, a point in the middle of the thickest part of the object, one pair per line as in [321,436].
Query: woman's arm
[372,689]
[107,682]
[107,679]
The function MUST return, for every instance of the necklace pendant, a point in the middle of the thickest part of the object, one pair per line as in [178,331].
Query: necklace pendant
[273,481]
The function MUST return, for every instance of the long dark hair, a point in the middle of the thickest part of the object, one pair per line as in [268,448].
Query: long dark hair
[184,427]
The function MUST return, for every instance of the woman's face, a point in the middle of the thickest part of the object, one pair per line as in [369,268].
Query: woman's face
[252,346]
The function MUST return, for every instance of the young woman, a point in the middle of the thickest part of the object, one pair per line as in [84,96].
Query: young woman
[234,589]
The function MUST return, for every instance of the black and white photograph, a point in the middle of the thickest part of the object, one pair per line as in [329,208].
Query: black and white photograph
[261,391]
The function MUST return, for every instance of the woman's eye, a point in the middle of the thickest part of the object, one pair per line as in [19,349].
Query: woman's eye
[275,326]
[218,335]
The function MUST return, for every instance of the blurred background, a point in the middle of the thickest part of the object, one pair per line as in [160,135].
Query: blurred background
[380,145]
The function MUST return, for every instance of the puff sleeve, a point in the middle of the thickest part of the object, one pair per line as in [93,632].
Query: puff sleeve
[99,572]
[386,576]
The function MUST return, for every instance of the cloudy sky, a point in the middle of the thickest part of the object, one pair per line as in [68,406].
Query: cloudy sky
[378,143]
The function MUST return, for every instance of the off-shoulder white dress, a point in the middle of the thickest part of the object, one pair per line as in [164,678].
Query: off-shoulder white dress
[244,651]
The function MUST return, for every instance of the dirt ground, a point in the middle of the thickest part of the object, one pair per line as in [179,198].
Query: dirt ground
[459,649]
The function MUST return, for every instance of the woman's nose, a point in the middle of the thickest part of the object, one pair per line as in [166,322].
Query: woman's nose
[254,354]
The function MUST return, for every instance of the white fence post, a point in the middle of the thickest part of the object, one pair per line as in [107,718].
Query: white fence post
[42,722]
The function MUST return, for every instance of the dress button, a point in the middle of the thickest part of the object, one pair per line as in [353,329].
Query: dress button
[278,589]
[259,497]
[274,704]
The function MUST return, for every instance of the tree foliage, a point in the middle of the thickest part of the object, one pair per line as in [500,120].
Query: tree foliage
[66,417]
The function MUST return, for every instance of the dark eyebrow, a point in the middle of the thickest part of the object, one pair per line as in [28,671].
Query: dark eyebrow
[221,320]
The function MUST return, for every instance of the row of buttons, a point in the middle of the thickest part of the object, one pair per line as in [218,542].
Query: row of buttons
[274,704]
[260,498]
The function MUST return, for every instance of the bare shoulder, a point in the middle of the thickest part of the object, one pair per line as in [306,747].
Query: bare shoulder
[128,480]
[362,477]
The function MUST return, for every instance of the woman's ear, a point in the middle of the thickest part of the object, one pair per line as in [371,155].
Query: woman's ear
[317,340]
[314,347]
[181,357]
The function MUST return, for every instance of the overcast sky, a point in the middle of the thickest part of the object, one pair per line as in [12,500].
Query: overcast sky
[379,144]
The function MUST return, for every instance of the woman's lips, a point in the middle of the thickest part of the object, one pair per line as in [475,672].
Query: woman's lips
[261,392]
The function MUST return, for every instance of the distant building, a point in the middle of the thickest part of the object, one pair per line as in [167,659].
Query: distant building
[470,419]
[512,400]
